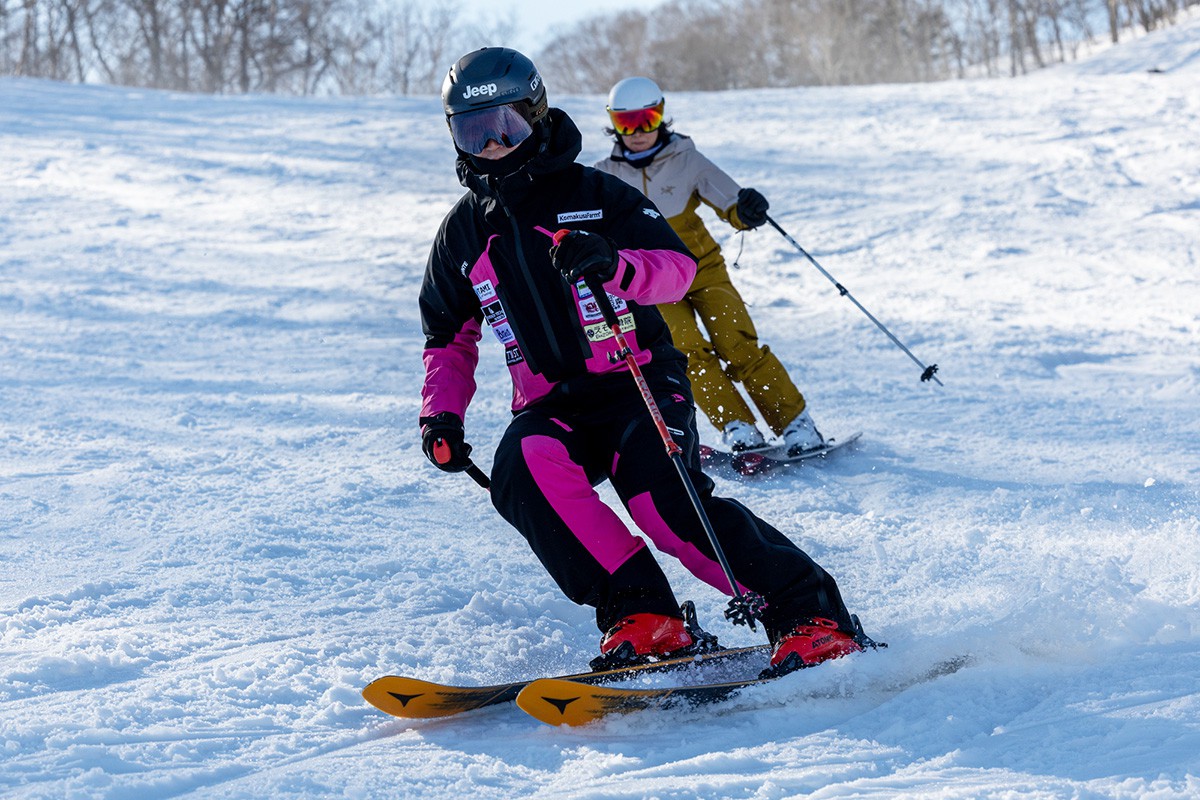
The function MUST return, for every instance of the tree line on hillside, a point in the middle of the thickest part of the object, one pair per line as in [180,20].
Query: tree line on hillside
[405,46]
[732,44]
[238,46]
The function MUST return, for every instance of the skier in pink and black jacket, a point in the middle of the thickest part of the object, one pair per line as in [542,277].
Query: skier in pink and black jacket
[578,417]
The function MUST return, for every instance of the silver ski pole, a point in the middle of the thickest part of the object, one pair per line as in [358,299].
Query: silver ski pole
[928,372]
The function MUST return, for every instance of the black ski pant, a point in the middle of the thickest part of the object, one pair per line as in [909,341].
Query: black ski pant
[543,475]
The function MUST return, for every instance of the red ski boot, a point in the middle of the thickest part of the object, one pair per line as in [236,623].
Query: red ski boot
[812,642]
[639,636]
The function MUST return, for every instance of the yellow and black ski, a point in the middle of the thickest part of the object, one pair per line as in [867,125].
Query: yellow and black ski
[555,701]
[413,698]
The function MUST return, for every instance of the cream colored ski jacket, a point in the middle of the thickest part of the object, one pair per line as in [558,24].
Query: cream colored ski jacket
[677,179]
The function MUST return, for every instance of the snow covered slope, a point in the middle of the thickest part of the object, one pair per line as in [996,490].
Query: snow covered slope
[1173,51]
[216,524]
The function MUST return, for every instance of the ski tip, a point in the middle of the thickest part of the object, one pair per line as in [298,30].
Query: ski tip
[558,702]
[555,702]
[409,698]
[413,698]
[399,697]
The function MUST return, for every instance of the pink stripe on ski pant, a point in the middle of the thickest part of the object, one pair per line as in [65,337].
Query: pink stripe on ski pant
[566,487]
[646,515]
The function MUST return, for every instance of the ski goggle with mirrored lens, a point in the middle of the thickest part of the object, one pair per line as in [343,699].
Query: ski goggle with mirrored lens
[505,125]
[641,119]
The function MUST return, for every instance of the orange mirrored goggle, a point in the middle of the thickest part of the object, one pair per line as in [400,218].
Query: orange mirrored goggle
[641,119]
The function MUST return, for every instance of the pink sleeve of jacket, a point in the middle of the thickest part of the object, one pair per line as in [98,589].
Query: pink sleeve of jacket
[649,277]
[450,373]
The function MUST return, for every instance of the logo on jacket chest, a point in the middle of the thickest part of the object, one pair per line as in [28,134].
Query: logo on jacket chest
[580,216]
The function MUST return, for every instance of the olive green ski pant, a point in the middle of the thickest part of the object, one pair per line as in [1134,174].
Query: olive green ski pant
[730,354]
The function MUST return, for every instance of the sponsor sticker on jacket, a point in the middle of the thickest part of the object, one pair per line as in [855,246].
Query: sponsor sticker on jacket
[494,314]
[504,333]
[600,331]
[485,291]
[580,216]
[590,309]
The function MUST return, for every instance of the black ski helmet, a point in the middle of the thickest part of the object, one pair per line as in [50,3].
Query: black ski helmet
[494,76]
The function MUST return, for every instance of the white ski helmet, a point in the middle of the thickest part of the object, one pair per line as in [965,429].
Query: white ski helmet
[632,94]
[635,104]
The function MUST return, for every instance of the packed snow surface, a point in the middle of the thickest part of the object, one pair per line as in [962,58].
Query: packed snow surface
[216,524]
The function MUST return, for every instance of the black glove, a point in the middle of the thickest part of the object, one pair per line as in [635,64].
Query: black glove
[442,440]
[585,255]
[752,207]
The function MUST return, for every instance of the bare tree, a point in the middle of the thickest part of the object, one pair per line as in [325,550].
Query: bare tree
[420,47]
[356,56]
[598,52]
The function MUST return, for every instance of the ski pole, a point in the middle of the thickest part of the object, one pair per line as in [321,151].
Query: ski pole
[479,475]
[927,372]
[744,607]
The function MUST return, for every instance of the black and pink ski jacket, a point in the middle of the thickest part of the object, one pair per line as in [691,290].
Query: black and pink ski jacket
[491,263]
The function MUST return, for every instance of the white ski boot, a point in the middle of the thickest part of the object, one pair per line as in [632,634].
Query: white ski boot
[801,435]
[740,437]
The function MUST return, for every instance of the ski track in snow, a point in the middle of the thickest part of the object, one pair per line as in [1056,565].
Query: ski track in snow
[216,523]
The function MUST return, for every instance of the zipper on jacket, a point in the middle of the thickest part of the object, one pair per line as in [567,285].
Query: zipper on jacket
[531,288]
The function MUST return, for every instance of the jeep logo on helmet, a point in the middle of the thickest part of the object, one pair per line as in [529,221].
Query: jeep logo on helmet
[476,91]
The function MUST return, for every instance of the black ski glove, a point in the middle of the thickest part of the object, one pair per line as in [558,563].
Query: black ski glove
[442,440]
[585,255]
[752,208]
